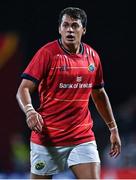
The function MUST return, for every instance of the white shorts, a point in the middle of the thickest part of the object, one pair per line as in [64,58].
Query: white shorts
[52,160]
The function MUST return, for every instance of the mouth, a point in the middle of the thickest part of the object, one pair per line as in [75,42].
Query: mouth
[70,37]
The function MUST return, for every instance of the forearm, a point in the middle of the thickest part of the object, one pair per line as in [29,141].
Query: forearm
[24,95]
[33,118]
[104,108]
[24,98]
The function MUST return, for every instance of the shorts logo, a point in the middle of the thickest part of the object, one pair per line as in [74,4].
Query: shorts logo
[40,165]
[91,67]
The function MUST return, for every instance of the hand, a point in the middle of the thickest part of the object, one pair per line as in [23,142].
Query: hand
[34,121]
[115,144]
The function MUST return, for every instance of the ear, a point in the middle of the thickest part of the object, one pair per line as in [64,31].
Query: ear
[84,31]
[59,30]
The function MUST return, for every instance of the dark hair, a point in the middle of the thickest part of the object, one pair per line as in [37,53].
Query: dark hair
[75,13]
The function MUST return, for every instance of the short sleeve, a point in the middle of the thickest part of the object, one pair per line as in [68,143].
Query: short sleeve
[98,80]
[38,66]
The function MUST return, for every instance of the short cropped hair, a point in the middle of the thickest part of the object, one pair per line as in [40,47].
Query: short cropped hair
[75,13]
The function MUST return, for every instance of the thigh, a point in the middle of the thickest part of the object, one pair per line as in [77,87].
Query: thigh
[87,170]
[43,162]
[34,176]
[84,153]
[84,161]
[47,161]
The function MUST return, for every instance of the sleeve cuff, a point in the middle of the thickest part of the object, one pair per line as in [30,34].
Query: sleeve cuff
[28,77]
[98,86]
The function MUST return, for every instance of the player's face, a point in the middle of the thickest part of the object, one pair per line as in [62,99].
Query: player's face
[71,31]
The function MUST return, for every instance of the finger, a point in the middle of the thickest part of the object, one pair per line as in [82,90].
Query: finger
[112,150]
[30,123]
[35,122]
[115,151]
[115,154]
[40,119]
[38,126]
[31,120]
[39,122]
[36,129]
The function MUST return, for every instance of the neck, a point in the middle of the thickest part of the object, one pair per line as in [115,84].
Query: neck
[71,48]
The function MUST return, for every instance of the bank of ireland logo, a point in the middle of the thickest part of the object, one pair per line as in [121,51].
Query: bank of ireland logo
[40,165]
[91,67]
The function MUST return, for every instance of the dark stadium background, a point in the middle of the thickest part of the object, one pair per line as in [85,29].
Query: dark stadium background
[110,31]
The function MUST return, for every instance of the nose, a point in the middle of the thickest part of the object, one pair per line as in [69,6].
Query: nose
[70,29]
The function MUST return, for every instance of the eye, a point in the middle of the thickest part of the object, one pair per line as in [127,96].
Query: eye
[65,25]
[75,26]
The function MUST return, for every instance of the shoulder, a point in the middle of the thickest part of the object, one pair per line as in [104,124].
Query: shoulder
[49,48]
[91,52]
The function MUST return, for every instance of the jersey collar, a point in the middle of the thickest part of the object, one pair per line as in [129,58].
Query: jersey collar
[81,51]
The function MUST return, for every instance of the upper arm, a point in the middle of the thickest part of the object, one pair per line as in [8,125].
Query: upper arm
[98,76]
[37,68]
[35,71]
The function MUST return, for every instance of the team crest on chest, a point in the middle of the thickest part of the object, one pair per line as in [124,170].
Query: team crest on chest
[91,67]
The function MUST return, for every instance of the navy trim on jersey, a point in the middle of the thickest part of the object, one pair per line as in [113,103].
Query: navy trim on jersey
[81,50]
[98,86]
[28,77]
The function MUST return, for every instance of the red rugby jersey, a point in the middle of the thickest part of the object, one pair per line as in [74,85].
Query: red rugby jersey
[65,83]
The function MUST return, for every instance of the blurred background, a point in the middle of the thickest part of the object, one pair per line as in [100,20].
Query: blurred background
[25,26]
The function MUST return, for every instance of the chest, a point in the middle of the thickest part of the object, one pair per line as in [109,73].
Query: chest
[72,69]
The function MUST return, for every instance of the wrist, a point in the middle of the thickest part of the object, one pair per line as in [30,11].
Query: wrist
[114,129]
[28,108]
[112,126]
